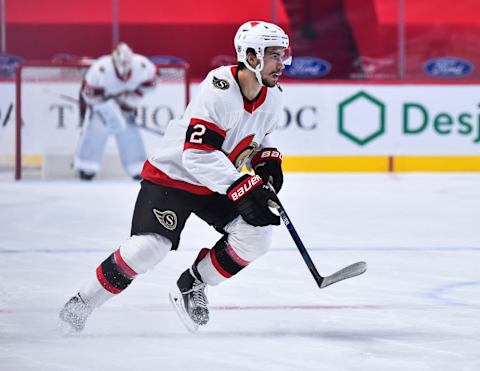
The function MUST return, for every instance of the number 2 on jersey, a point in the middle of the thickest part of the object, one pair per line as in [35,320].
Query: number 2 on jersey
[197,135]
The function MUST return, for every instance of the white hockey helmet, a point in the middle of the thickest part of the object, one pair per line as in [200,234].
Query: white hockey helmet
[122,57]
[259,35]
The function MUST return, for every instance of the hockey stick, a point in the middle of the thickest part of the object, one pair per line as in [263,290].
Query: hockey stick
[76,101]
[7,115]
[322,281]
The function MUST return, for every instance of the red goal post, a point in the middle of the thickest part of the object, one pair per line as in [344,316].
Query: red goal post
[46,110]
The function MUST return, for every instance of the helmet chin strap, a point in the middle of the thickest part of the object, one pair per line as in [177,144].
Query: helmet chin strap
[257,70]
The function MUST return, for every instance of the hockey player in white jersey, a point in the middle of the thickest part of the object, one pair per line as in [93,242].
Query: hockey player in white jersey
[112,90]
[225,126]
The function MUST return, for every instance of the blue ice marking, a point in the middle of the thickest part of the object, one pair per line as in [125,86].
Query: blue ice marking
[440,293]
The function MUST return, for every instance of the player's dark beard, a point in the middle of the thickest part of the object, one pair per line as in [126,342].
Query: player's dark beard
[269,84]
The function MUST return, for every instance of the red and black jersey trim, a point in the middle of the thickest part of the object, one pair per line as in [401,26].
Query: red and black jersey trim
[120,77]
[138,92]
[251,105]
[92,90]
[149,83]
[155,175]
[204,135]
[244,144]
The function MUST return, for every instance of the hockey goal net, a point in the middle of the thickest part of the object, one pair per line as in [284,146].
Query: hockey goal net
[47,119]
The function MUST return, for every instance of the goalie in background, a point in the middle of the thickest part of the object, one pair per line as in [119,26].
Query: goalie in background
[112,90]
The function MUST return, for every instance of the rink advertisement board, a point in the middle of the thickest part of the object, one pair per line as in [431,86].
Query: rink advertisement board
[323,127]
[380,127]
[51,124]
[380,120]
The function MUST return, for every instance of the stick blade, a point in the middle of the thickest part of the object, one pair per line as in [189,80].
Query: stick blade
[352,270]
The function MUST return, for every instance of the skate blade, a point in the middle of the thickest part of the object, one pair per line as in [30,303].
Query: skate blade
[176,299]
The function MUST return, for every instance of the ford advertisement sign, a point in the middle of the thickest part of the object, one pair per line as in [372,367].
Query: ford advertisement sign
[167,59]
[448,67]
[308,68]
[8,64]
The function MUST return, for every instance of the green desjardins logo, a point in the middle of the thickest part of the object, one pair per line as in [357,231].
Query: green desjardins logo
[361,118]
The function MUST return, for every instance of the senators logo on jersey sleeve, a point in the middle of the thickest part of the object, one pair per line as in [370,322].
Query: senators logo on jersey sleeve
[242,151]
[204,135]
[220,83]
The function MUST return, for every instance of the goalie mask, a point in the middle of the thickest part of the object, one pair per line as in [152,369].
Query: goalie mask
[122,57]
[258,36]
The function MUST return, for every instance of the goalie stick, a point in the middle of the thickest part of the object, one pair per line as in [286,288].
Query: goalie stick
[7,115]
[350,271]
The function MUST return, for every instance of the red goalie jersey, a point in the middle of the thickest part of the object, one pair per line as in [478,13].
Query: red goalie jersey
[219,132]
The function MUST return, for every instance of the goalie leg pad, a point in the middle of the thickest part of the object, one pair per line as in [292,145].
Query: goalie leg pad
[111,115]
[131,148]
[91,145]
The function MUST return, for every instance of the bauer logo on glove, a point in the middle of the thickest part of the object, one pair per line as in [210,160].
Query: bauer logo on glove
[243,188]
[252,198]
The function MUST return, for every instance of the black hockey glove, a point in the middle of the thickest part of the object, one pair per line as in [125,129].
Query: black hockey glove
[268,164]
[251,197]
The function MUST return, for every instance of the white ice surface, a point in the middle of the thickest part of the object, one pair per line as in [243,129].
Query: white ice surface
[416,308]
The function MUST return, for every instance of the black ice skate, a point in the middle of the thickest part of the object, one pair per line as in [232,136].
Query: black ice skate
[75,313]
[86,175]
[190,301]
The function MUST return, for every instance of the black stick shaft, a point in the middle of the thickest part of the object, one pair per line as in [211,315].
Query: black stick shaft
[300,246]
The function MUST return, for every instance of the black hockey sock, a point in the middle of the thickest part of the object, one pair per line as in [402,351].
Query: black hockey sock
[115,276]
[225,259]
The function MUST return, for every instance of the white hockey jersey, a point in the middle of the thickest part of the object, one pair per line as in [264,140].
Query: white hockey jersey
[102,82]
[220,130]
